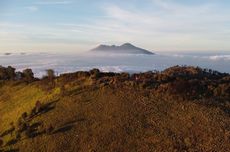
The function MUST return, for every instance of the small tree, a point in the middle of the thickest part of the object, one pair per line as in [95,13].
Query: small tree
[11,72]
[3,73]
[95,73]
[7,73]
[50,74]
[28,75]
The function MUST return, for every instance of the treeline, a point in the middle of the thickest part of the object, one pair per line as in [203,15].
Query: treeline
[179,81]
[10,73]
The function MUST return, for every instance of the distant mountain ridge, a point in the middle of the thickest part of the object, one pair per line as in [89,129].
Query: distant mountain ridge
[126,48]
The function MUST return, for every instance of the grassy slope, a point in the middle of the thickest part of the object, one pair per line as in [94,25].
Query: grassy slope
[108,119]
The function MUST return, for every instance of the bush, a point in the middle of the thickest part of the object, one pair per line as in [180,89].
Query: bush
[28,75]
[7,73]
[50,74]
[125,76]
[3,73]
[95,73]
[22,125]
[38,107]
[11,72]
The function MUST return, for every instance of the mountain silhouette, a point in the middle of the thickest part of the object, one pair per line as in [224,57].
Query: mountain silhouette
[126,48]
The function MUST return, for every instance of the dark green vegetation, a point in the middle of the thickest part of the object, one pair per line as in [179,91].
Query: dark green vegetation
[179,109]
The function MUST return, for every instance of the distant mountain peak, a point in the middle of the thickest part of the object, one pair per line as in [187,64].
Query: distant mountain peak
[127,44]
[126,48]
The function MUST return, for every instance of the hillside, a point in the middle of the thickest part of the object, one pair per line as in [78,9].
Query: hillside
[126,48]
[178,109]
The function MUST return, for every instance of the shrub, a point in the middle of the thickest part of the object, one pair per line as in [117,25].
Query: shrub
[7,73]
[33,112]
[28,75]
[125,75]
[11,72]
[95,73]
[50,74]
[3,73]
[38,107]
[22,125]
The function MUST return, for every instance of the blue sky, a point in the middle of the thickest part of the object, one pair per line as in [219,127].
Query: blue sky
[78,25]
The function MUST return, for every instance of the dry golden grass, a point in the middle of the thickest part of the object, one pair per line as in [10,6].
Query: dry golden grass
[102,118]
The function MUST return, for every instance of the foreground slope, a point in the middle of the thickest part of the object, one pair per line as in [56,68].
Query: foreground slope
[180,109]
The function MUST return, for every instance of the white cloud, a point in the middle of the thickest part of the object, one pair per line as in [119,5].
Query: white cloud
[174,7]
[4,25]
[32,8]
[53,2]
[219,57]
[169,26]
[172,26]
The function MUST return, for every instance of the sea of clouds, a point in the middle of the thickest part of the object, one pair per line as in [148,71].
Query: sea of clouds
[63,63]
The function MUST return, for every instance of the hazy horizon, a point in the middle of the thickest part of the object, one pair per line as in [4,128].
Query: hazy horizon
[80,25]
